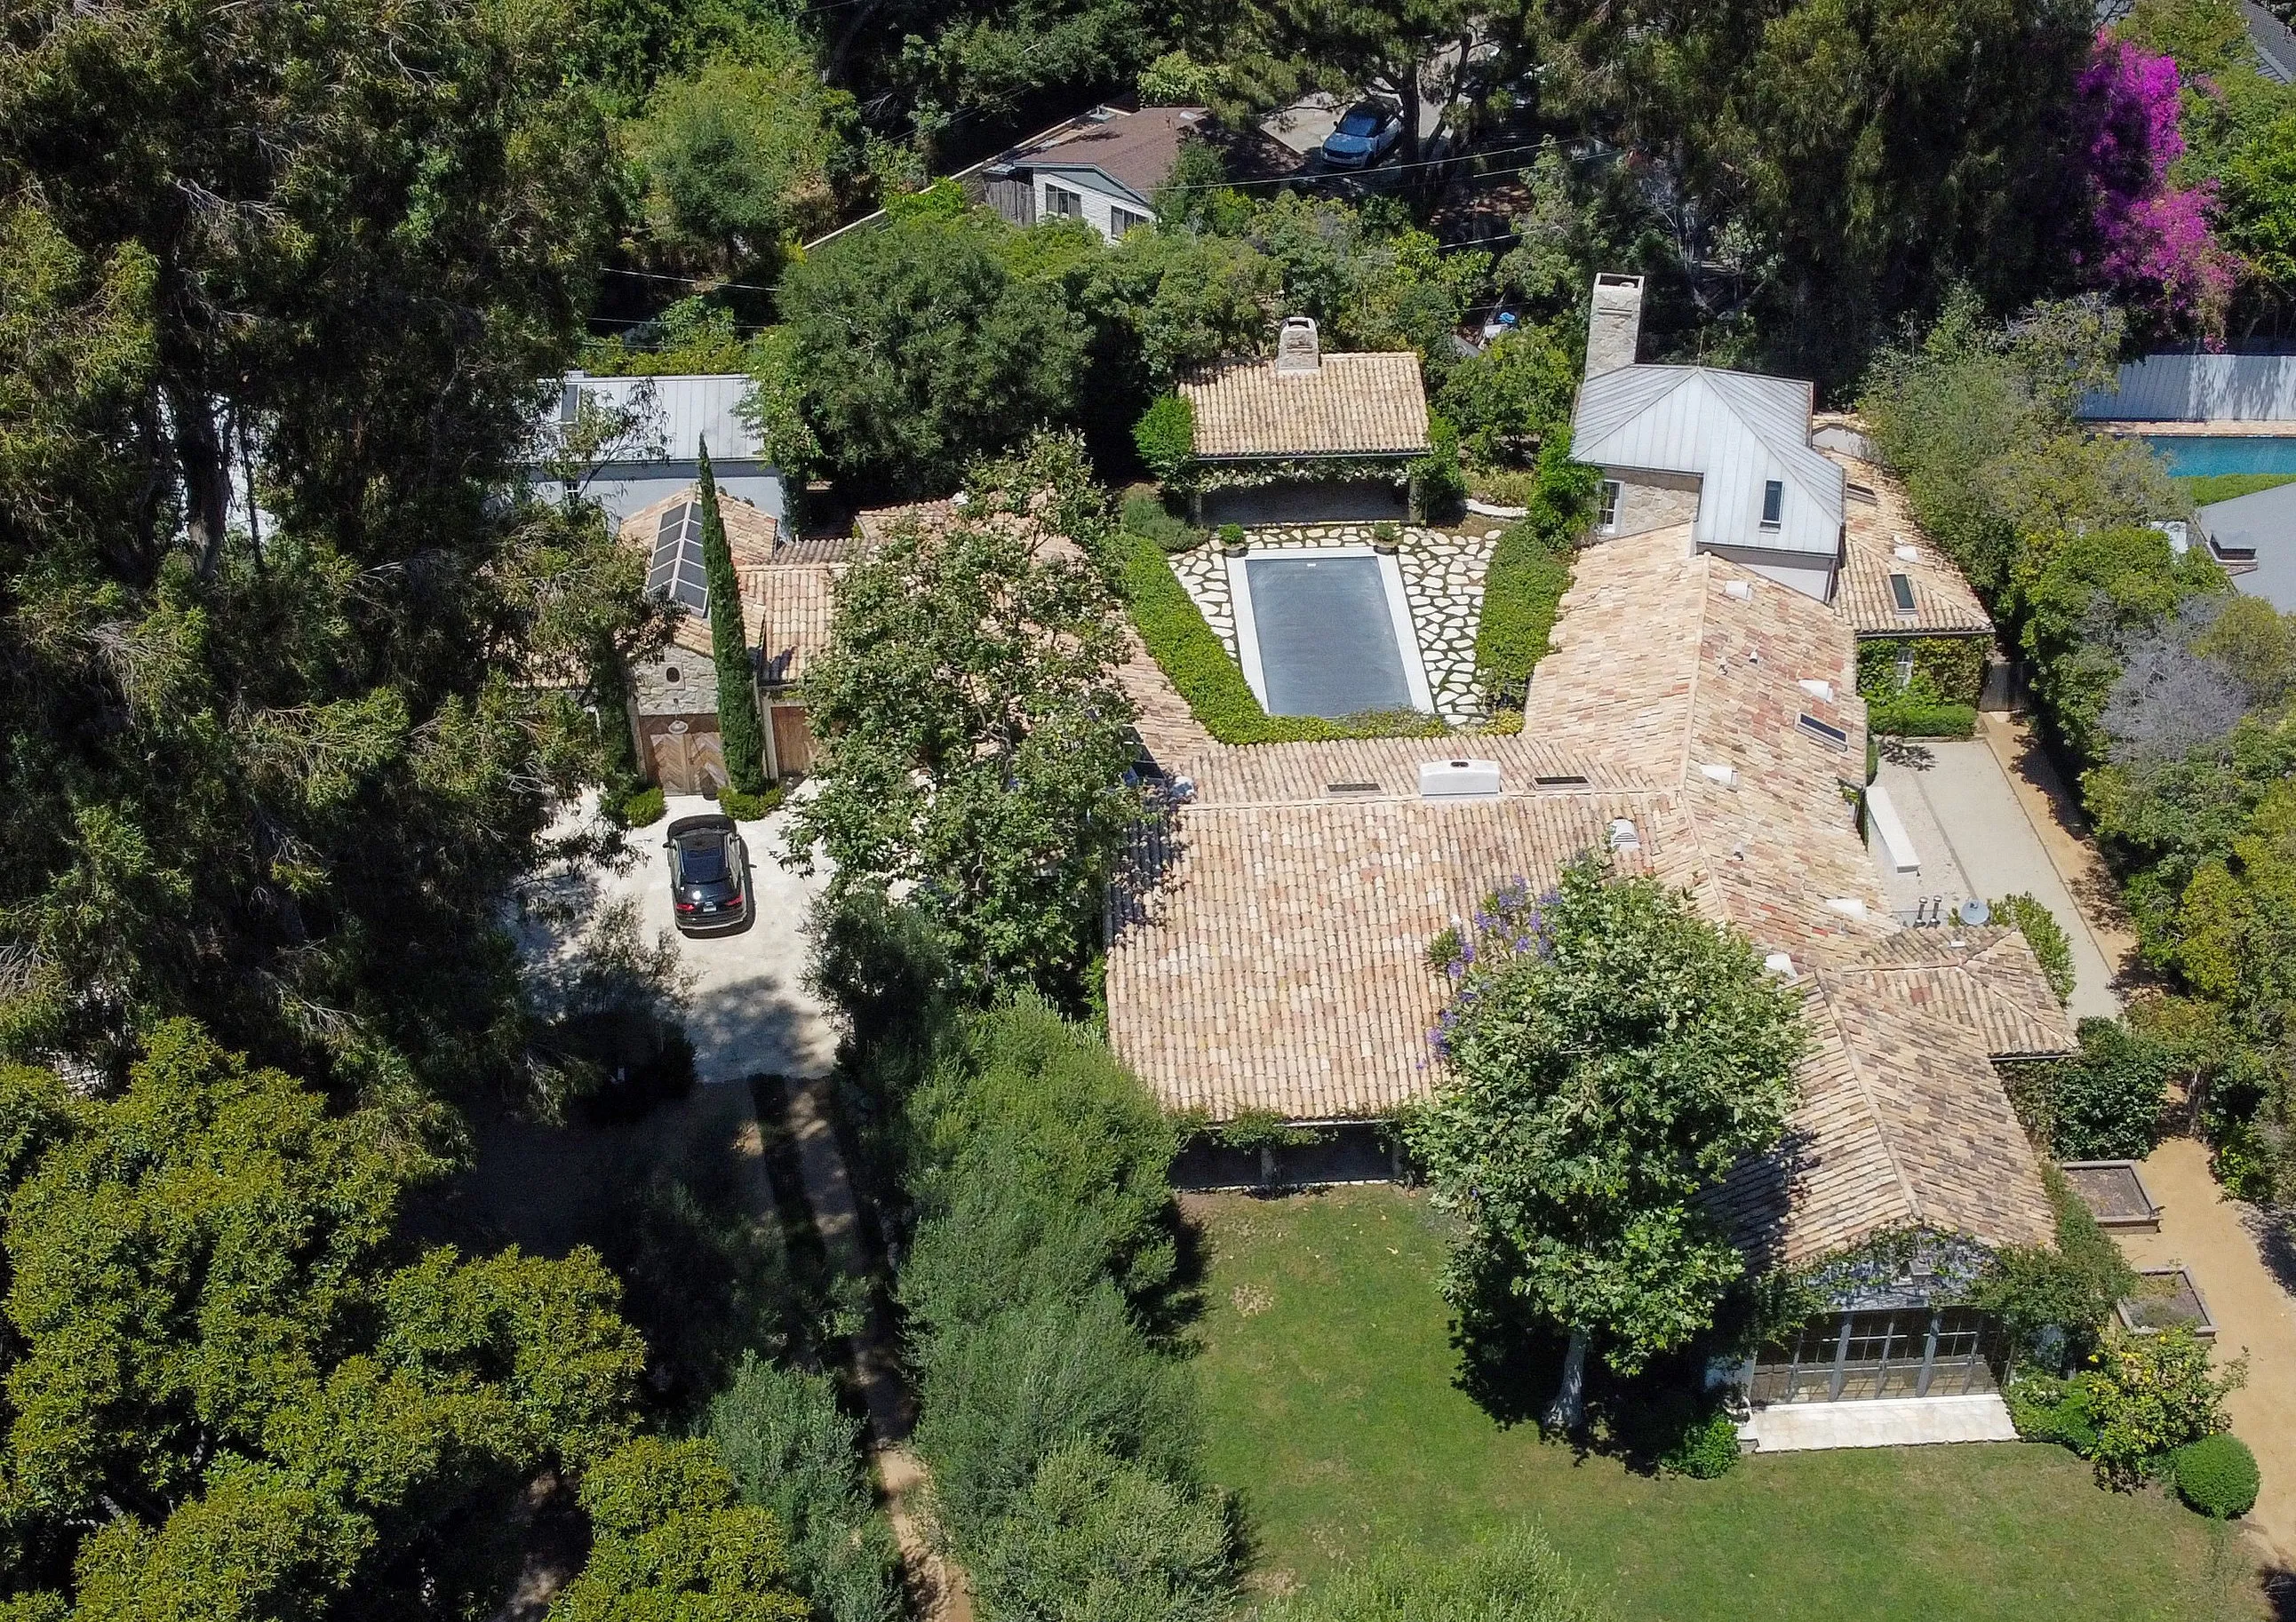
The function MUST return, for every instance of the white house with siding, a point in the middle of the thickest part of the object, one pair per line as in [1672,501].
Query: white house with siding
[1102,168]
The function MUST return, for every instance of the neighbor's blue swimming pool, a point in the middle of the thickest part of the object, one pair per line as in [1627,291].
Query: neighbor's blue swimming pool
[2205,455]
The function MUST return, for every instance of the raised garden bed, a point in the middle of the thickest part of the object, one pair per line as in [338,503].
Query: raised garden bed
[2115,1193]
[2165,1298]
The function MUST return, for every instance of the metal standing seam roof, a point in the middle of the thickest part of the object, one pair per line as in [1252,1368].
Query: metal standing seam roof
[2198,388]
[1735,431]
[1354,404]
[676,415]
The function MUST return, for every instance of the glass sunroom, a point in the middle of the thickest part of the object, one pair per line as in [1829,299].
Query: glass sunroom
[1915,1350]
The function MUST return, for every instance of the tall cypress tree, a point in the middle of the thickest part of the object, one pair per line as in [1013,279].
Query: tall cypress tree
[738,727]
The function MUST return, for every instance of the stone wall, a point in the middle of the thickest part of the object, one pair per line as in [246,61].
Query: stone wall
[1653,501]
[692,692]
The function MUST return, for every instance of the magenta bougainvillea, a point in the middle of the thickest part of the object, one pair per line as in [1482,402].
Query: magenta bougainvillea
[2154,245]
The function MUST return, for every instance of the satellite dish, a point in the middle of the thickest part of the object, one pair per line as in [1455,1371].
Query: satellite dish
[1973,913]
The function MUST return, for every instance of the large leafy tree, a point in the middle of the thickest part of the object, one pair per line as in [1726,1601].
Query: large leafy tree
[232,1390]
[918,350]
[1608,1057]
[270,767]
[975,735]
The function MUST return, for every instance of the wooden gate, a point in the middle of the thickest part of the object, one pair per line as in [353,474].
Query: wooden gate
[687,754]
[792,740]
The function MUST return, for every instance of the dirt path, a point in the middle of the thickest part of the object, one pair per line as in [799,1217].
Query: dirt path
[937,1588]
[2057,819]
[2218,1239]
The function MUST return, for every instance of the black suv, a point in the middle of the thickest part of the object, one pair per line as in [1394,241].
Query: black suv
[708,874]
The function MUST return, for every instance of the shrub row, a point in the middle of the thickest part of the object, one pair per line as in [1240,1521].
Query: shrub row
[1144,514]
[1897,720]
[1063,1438]
[1211,682]
[2143,1400]
[1528,573]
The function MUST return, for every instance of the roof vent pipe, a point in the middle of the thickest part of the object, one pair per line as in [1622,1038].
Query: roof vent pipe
[1817,689]
[1848,907]
[1623,836]
[1714,771]
[1778,963]
[1458,779]
[1742,590]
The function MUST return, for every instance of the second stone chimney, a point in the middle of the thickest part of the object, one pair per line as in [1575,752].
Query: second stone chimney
[1614,323]
[1297,352]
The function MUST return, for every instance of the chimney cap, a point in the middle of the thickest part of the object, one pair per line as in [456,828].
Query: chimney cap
[1298,350]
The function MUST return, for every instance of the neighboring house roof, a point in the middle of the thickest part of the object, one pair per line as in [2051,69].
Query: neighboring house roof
[2198,388]
[2254,536]
[1881,529]
[1735,430]
[1133,152]
[874,526]
[1349,404]
[673,416]
[1267,947]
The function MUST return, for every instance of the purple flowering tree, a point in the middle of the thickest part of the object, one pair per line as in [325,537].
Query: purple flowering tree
[2155,250]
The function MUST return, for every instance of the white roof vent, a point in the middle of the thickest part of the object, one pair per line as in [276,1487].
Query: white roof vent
[1778,963]
[1848,907]
[1742,590]
[1623,836]
[1906,554]
[1458,779]
[1714,771]
[1822,691]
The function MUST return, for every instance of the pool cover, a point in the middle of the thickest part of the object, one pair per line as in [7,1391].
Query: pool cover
[1326,637]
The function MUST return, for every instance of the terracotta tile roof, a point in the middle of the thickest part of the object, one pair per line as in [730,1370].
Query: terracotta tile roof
[796,604]
[1352,405]
[1267,949]
[1901,1123]
[1879,520]
[1987,979]
[872,526]
[787,587]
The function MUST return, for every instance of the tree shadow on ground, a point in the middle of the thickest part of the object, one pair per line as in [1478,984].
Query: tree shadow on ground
[1906,752]
[2275,1233]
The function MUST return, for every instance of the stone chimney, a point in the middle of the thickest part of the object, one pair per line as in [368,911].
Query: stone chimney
[1297,353]
[1614,324]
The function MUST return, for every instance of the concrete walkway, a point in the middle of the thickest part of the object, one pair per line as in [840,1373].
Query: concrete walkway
[1976,837]
[2226,1244]
[1914,1421]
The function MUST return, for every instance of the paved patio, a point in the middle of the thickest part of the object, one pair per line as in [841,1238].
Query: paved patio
[1443,572]
[1884,1423]
[1974,838]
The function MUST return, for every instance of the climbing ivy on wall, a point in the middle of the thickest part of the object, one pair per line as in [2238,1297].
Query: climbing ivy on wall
[1947,670]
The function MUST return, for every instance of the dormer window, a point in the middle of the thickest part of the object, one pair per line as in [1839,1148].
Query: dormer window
[1774,503]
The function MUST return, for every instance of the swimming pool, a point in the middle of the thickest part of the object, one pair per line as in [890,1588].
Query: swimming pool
[2205,455]
[1326,632]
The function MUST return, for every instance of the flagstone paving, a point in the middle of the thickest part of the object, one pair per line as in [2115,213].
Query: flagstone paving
[1443,572]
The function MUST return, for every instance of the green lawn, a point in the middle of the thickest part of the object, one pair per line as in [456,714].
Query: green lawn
[2200,489]
[1328,1384]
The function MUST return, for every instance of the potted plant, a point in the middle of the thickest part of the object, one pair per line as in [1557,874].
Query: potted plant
[1231,541]
[1386,538]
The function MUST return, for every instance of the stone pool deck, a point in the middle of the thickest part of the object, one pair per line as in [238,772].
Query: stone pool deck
[1443,572]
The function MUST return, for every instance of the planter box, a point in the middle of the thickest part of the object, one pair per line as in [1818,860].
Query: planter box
[2115,1193]
[2167,1296]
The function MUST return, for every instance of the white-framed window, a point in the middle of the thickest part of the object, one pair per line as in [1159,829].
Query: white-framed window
[1063,203]
[1905,666]
[1606,513]
[1121,220]
[1774,503]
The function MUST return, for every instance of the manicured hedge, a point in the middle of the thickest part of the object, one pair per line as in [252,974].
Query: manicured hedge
[1922,720]
[1211,682]
[2216,1476]
[1527,575]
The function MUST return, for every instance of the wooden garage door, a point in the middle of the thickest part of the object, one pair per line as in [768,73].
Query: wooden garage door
[687,755]
[792,740]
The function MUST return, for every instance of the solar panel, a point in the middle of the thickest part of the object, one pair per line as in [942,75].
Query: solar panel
[677,571]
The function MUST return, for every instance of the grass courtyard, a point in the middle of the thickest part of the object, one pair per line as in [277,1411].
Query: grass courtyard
[1327,1371]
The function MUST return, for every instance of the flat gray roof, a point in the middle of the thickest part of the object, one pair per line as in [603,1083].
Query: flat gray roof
[2264,523]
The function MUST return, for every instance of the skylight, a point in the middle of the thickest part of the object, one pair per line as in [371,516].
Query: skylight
[1901,593]
[677,570]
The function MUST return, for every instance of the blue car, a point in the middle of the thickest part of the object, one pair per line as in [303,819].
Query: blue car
[1364,136]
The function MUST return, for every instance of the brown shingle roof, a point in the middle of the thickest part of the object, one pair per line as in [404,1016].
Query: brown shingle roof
[1136,149]
[1878,524]
[1352,405]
